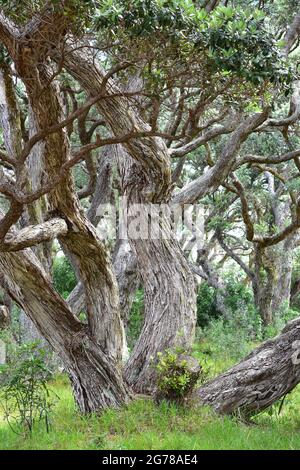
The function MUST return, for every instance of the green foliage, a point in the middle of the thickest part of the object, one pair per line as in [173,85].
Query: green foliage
[227,340]
[79,12]
[136,319]
[206,305]
[25,396]
[64,278]
[234,334]
[237,298]
[224,40]
[281,318]
[143,425]
[175,376]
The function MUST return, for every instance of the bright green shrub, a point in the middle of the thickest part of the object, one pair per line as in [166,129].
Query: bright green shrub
[206,304]
[177,375]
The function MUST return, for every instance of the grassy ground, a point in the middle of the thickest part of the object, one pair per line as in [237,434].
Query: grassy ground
[142,425]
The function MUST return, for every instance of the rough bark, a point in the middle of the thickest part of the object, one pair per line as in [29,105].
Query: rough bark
[122,118]
[10,119]
[103,188]
[91,354]
[292,34]
[124,260]
[96,380]
[125,265]
[272,280]
[81,240]
[170,298]
[169,287]
[262,378]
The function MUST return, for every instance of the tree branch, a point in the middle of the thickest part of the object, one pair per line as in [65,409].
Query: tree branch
[203,139]
[212,179]
[34,234]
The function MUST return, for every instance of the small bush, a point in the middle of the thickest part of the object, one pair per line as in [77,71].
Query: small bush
[177,375]
[25,396]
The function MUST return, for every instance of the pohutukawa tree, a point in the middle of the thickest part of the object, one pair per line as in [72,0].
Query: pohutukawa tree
[130,91]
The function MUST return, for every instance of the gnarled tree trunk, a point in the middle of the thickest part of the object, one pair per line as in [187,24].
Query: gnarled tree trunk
[169,287]
[144,164]
[262,378]
[92,354]
[10,120]
[96,379]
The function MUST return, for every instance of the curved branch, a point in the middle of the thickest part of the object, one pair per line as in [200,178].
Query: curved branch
[34,234]
[212,179]
[203,139]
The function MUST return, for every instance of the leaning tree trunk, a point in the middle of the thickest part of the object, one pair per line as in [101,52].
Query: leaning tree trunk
[81,240]
[96,379]
[267,374]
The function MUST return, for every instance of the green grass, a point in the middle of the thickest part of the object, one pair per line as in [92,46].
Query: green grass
[143,425]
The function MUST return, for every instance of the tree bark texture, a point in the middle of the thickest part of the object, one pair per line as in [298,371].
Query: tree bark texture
[265,376]
[272,279]
[169,287]
[96,380]
[144,165]
[91,354]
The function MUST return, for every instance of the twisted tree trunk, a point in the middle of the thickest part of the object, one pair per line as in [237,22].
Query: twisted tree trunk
[92,354]
[96,379]
[144,165]
[169,287]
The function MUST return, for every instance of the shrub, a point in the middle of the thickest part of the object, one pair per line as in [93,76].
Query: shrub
[177,375]
[25,396]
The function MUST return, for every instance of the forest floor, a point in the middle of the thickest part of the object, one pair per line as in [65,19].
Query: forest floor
[143,425]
